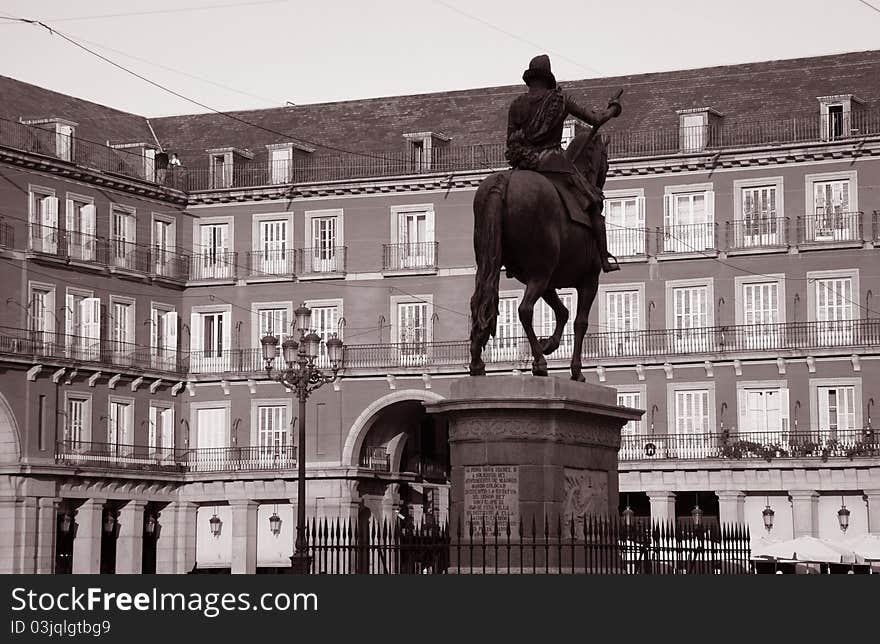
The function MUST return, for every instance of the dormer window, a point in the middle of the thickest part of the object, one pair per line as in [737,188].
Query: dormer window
[424,149]
[696,127]
[281,160]
[220,165]
[139,156]
[836,116]
[63,130]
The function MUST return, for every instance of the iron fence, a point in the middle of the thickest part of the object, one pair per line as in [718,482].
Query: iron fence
[766,445]
[272,262]
[322,260]
[586,545]
[830,227]
[687,238]
[409,256]
[214,265]
[627,242]
[757,232]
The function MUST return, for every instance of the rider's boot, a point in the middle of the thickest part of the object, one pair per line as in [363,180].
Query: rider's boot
[602,238]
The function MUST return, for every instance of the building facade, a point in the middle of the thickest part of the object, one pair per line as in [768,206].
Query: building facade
[141,433]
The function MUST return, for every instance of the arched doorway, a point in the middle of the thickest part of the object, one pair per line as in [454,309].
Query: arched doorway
[10,440]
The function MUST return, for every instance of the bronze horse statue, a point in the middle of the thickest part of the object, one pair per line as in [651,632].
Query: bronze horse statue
[521,223]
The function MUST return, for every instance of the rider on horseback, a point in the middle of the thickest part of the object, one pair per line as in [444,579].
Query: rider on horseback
[534,137]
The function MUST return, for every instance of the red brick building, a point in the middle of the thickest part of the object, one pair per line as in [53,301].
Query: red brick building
[741,200]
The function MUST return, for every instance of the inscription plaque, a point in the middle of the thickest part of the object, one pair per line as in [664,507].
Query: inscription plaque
[491,492]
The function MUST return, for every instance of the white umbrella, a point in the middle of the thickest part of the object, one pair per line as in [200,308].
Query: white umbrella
[864,545]
[806,548]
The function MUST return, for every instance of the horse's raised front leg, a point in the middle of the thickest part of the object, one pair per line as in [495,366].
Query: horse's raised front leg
[561,314]
[534,290]
[585,294]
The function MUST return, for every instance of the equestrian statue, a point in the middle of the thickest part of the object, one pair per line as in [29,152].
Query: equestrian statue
[542,220]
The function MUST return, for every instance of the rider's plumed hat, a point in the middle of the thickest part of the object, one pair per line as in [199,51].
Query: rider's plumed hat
[539,67]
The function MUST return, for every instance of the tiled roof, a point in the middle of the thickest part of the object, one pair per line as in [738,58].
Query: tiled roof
[763,91]
[94,122]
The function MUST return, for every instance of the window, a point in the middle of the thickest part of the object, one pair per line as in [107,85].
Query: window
[325,322]
[418,157]
[835,126]
[78,421]
[693,132]
[273,320]
[760,226]
[691,420]
[212,429]
[414,234]
[688,221]
[763,409]
[835,218]
[544,322]
[43,221]
[122,328]
[81,240]
[625,221]
[273,435]
[122,236]
[692,411]
[691,313]
[210,341]
[64,141]
[837,409]
[215,261]
[119,426]
[274,246]
[163,338]
[834,310]
[280,163]
[761,314]
[622,319]
[569,130]
[221,170]
[161,437]
[412,332]
[42,312]
[505,346]
[321,258]
[149,164]
[836,116]
[631,399]
[163,246]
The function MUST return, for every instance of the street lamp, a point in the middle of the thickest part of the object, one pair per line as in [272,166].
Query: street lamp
[300,374]
[275,522]
[843,516]
[215,523]
[767,514]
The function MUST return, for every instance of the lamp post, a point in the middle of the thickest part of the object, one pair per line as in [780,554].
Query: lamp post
[302,376]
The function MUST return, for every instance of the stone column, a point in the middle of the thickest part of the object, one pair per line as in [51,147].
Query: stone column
[87,544]
[47,528]
[805,512]
[873,497]
[130,544]
[8,535]
[662,506]
[244,537]
[26,537]
[176,546]
[731,507]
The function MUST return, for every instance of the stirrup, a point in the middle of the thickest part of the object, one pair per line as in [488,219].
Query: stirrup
[608,267]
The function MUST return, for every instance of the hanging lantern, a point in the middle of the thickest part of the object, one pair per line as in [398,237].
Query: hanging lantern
[697,516]
[66,523]
[628,516]
[216,525]
[275,524]
[767,514]
[150,525]
[109,522]
[843,516]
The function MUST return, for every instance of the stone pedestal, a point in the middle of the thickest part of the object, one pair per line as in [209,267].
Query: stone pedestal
[525,450]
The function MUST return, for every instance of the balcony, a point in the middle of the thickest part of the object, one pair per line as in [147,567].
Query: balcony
[214,266]
[45,346]
[626,242]
[375,459]
[418,257]
[830,228]
[272,263]
[687,238]
[321,262]
[144,458]
[759,233]
[86,154]
[767,445]
[623,347]
[115,255]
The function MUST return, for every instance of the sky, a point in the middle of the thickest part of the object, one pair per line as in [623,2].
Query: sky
[238,54]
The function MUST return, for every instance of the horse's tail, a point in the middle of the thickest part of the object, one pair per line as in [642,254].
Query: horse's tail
[488,211]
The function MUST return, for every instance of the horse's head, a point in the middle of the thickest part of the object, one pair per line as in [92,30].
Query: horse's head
[589,154]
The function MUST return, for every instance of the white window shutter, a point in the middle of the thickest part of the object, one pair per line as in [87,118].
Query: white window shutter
[710,206]
[195,327]
[69,313]
[170,321]
[742,407]
[668,210]
[151,439]
[155,321]
[50,212]
[640,214]
[227,331]
[90,318]
[88,220]
[783,409]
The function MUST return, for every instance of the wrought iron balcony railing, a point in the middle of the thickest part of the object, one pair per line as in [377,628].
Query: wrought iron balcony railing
[265,263]
[766,445]
[78,350]
[411,256]
[831,227]
[327,260]
[213,265]
[376,459]
[116,254]
[627,242]
[687,238]
[174,460]
[759,232]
